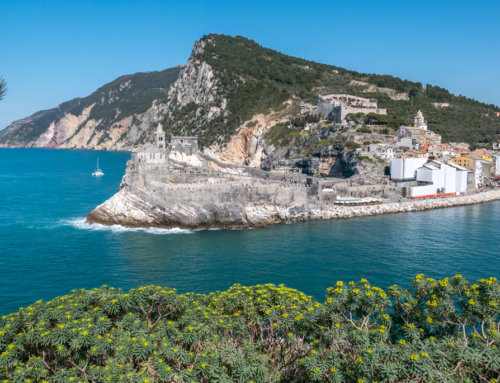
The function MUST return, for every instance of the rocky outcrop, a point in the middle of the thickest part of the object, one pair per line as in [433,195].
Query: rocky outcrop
[127,209]
[197,83]
[246,147]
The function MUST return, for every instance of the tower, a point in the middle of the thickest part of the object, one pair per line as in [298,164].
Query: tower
[160,137]
[419,121]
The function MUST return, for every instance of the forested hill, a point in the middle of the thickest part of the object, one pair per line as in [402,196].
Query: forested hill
[228,80]
[107,107]
[258,78]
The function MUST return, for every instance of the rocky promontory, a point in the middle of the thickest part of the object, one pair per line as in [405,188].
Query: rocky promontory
[128,209]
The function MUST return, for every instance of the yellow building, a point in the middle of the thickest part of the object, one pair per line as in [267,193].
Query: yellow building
[467,161]
[413,154]
[483,155]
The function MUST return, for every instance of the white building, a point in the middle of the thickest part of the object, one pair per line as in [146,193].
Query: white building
[383,151]
[496,161]
[406,142]
[405,169]
[435,178]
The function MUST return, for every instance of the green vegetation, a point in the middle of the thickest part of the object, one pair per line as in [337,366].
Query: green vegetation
[364,158]
[305,119]
[32,130]
[277,134]
[254,79]
[3,88]
[270,77]
[363,129]
[349,144]
[308,149]
[437,331]
[462,121]
[121,98]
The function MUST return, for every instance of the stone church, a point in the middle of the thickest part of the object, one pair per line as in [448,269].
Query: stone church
[152,153]
[158,152]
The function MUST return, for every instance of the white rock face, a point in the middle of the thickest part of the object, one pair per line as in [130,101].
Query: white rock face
[189,160]
[127,209]
[123,208]
[246,147]
[196,84]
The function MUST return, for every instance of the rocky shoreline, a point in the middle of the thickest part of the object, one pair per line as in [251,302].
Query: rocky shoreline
[129,210]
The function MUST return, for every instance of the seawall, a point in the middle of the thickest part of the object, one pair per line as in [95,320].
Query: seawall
[140,209]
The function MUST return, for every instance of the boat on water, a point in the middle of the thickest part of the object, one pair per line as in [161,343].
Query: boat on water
[98,172]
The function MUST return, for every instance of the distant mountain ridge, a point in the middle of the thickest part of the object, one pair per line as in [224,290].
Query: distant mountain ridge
[112,117]
[229,89]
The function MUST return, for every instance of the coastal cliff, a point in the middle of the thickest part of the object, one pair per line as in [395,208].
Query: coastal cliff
[128,209]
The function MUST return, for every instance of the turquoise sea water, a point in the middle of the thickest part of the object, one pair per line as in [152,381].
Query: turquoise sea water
[47,249]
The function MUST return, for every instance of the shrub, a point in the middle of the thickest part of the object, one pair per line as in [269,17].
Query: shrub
[351,144]
[363,158]
[363,130]
[439,330]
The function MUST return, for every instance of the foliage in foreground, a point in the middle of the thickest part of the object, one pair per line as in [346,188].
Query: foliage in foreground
[439,331]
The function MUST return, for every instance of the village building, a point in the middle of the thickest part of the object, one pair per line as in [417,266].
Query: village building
[474,163]
[435,178]
[496,162]
[488,172]
[483,154]
[460,145]
[383,151]
[419,132]
[415,154]
[441,104]
[186,145]
[404,169]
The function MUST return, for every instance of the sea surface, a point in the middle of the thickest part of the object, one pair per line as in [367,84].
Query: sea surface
[47,249]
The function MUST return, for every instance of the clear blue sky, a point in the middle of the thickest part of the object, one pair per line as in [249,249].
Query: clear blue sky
[53,51]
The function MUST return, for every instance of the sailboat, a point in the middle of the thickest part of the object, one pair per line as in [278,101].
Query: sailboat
[98,172]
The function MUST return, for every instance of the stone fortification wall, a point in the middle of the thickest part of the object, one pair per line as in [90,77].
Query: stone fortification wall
[339,112]
[149,172]
[235,192]
[392,193]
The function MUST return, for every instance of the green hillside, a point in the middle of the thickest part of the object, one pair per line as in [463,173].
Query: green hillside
[123,97]
[255,79]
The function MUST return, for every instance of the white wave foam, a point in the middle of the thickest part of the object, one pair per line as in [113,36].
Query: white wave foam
[81,224]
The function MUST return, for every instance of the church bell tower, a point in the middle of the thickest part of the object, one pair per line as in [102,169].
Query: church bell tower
[160,137]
